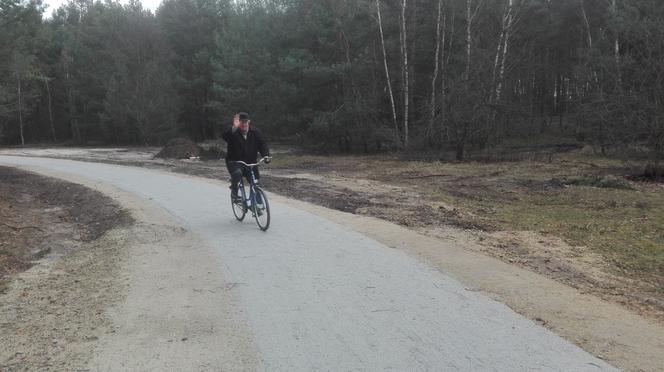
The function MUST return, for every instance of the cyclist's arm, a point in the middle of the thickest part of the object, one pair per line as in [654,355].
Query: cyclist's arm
[262,145]
[227,134]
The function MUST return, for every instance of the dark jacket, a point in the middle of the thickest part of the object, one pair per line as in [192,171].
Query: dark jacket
[245,150]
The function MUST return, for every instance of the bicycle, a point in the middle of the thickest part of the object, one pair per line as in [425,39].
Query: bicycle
[256,201]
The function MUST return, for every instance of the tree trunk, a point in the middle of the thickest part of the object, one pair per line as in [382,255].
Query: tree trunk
[469,22]
[498,70]
[470,16]
[587,24]
[616,46]
[496,60]
[20,109]
[444,62]
[406,79]
[435,74]
[507,32]
[71,106]
[50,110]
[387,75]
[459,153]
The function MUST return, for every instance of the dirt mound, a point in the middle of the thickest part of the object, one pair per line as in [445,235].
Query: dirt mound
[183,148]
[180,148]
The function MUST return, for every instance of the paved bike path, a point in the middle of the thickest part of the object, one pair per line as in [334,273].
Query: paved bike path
[319,296]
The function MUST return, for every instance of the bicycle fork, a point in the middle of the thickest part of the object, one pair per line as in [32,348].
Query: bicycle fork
[254,198]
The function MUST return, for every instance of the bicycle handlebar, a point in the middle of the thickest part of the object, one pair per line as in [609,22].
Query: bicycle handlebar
[252,165]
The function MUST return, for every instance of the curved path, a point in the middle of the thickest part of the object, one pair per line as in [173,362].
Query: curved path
[318,296]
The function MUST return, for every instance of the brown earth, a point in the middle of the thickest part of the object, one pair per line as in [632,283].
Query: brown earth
[183,148]
[51,313]
[482,207]
[37,212]
[77,308]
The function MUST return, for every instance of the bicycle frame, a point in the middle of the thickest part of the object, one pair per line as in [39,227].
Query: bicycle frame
[256,201]
[252,183]
[252,191]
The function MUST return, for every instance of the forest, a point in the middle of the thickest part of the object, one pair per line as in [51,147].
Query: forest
[457,77]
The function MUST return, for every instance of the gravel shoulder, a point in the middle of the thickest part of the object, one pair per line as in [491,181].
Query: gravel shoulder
[103,299]
[73,243]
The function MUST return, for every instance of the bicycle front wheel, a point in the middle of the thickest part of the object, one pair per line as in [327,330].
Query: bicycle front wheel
[262,210]
[238,208]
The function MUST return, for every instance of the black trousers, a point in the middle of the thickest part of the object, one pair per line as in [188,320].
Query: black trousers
[237,171]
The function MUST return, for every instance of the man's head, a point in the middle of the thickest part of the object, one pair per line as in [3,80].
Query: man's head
[244,122]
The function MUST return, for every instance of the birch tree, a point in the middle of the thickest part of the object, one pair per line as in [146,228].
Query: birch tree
[434,76]
[405,73]
[471,13]
[444,61]
[616,44]
[23,70]
[586,23]
[388,80]
[506,32]
[20,107]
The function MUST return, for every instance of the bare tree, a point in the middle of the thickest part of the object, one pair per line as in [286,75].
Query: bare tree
[50,106]
[469,23]
[616,46]
[508,22]
[387,74]
[404,69]
[470,16]
[444,61]
[434,77]
[499,47]
[587,24]
[20,108]
[21,68]
[75,129]
[50,111]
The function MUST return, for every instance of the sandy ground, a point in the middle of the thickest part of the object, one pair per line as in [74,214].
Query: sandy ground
[139,297]
[319,296]
[606,330]
[357,188]
[178,314]
[51,314]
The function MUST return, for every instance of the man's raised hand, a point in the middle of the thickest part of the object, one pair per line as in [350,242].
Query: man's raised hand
[236,120]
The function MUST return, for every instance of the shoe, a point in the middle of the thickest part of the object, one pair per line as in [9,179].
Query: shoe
[235,197]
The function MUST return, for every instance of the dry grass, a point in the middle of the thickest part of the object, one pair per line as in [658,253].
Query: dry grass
[587,201]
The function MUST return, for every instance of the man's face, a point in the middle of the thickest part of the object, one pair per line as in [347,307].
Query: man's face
[244,126]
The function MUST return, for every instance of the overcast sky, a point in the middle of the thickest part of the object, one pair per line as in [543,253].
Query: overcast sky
[54,4]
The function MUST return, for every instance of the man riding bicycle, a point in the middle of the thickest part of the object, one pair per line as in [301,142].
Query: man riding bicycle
[244,144]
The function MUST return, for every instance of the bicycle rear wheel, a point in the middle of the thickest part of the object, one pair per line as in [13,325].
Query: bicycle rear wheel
[262,210]
[238,207]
